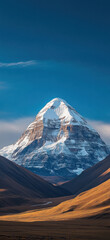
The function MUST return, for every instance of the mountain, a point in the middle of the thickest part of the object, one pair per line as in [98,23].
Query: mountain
[89,178]
[58,143]
[18,184]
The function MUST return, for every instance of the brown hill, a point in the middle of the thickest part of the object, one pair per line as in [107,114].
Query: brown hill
[86,216]
[94,203]
[18,184]
[90,178]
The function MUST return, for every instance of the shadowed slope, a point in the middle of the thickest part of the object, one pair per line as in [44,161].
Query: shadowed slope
[90,178]
[94,202]
[17,183]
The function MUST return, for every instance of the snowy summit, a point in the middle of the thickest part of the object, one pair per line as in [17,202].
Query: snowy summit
[58,109]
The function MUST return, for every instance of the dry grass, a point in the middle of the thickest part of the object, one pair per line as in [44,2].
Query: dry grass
[83,229]
[94,202]
[106,172]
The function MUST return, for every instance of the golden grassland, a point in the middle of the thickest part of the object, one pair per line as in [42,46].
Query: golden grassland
[95,201]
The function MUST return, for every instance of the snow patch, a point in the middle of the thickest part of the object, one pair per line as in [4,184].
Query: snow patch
[78,171]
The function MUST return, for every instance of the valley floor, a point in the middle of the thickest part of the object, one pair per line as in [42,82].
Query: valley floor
[85,229]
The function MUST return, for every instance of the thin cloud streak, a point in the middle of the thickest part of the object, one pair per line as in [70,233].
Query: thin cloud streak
[18,64]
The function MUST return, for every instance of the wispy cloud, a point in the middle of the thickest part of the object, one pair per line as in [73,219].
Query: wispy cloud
[38,63]
[17,64]
[102,128]
[10,131]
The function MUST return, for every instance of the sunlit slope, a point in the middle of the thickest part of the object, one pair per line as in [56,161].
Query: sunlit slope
[94,202]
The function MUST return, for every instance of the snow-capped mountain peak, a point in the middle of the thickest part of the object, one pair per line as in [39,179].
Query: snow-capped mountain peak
[58,109]
[58,142]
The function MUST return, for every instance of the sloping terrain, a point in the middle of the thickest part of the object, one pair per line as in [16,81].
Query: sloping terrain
[90,178]
[86,216]
[92,203]
[18,184]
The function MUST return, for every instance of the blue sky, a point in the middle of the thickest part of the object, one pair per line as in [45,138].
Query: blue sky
[53,49]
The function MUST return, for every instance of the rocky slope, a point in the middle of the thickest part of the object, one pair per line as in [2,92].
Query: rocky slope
[58,142]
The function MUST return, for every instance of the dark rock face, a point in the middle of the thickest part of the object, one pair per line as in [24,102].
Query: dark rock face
[59,142]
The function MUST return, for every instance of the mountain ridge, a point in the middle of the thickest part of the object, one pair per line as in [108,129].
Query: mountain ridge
[90,178]
[18,182]
[89,204]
